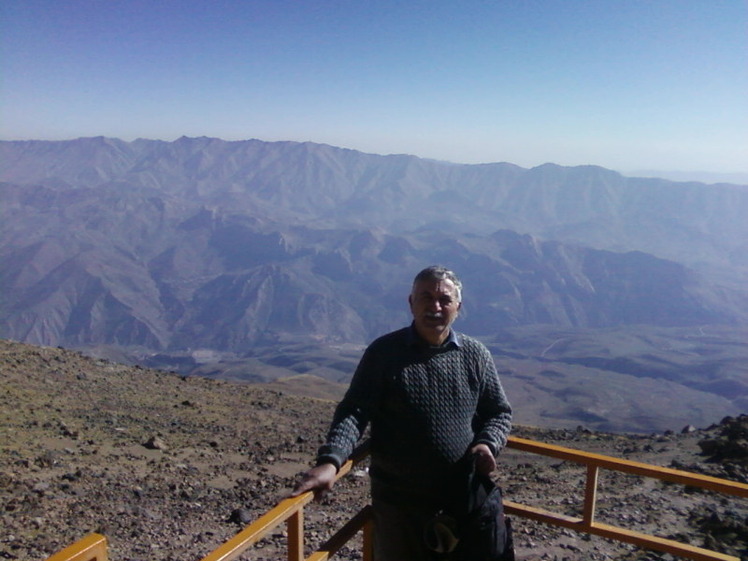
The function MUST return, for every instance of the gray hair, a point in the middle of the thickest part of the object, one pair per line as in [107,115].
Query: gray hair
[437,272]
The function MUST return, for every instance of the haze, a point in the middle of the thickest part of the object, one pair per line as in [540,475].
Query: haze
[626,85]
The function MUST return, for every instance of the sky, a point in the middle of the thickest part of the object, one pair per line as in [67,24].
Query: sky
[629,85]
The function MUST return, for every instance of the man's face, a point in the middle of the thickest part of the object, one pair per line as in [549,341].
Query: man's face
[434,304]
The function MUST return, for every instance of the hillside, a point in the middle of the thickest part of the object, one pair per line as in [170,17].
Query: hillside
[165,465]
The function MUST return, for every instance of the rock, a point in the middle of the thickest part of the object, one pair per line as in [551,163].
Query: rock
[47,460]
[155,443]
[241,516]
[731,442]
[41,487]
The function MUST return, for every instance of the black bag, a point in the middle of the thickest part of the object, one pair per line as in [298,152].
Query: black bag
[472,525]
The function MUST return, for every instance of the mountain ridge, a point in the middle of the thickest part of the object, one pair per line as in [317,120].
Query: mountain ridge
[248,249]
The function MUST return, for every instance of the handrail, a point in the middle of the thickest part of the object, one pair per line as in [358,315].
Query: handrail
[587,523]
[92,547]
[291,511]
[628,466]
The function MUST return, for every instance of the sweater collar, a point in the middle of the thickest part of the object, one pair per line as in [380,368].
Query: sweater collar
[414,339]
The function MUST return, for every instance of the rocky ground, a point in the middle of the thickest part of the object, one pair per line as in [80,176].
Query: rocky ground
[168,468]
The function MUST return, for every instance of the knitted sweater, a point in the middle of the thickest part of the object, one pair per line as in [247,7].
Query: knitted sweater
[427,407]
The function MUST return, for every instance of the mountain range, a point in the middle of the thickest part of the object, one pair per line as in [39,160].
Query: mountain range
[260,261]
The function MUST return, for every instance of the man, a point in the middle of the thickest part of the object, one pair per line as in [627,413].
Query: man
[433,398]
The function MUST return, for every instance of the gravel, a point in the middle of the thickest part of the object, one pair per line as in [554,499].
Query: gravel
[169,468]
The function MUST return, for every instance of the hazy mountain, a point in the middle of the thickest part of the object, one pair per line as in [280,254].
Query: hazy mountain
[206,248]
[322,185]
[702,176]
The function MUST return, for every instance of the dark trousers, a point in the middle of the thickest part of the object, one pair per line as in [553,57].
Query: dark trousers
[398,532]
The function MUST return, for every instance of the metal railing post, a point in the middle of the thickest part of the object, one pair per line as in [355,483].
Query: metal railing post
[368,552]
[590,495]
[295,527]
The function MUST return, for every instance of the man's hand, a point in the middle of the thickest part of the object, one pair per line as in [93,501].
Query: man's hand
[485,463]
[319,479]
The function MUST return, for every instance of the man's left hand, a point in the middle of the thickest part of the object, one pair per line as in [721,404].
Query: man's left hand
[485,463]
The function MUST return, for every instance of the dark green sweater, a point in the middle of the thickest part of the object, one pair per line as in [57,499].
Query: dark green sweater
[427,407]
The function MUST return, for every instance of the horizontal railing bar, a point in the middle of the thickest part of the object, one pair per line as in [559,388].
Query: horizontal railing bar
[342,536]
[542,515]
[92,547]
[662,544]
[628,466]
[616,533]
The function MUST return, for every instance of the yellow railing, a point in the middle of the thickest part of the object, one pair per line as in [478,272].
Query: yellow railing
[594,463]
[291,511]
[91,548]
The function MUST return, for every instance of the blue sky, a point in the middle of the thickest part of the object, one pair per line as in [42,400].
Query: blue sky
[628,85]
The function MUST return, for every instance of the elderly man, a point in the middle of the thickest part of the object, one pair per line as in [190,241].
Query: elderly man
[433,398]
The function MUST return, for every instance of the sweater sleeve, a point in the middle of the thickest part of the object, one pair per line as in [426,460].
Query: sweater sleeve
[353,413]
[494,414]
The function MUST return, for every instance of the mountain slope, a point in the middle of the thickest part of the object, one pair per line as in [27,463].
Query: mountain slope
[169,252]
[170,468]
